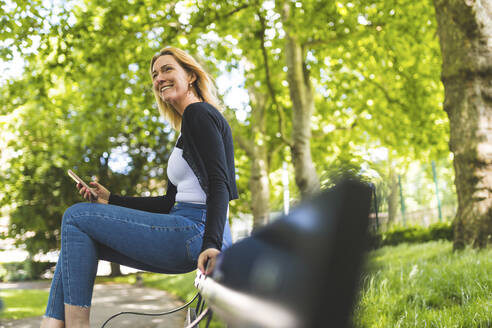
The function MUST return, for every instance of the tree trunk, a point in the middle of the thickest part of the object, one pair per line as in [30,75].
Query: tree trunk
[301,95]
[393,196]
[465,33]
[260,187]
[115,270]
[259,181]
[257,150]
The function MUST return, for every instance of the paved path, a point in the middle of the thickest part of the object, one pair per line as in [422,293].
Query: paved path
[109,299]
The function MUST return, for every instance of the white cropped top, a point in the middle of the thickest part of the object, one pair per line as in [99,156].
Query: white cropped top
[181,175]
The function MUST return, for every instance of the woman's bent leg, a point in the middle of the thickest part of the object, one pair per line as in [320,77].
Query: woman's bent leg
[161,241]
[74,276]
[79,267]
[79,262]
[149,241]
[73,281]
[55,307]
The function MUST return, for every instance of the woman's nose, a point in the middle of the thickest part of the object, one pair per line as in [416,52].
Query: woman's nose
[159,79]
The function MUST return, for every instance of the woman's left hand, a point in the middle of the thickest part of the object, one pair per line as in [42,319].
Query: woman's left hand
[210,255]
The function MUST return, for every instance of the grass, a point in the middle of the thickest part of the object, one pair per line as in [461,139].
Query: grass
[418,285]
[20,303]
[426,285]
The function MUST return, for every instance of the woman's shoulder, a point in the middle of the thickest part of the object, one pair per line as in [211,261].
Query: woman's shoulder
[200,108]
[201,111]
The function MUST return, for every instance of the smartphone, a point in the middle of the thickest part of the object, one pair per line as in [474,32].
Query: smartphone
[76,178]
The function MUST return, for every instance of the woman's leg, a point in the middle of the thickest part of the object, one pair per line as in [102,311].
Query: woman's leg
[85,267]
[153,242]
[77,316]
[55,312]
[48,322]
[79,267]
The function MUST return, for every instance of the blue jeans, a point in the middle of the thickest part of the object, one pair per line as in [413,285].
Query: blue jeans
[164,243]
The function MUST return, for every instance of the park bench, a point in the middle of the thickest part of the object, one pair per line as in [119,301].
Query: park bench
[302,270]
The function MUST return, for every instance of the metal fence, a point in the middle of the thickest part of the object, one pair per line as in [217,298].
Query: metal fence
[422,217]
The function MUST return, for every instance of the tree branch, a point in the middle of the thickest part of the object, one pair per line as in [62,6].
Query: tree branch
[386,94]
[280,110]
[214,18]
[245,145]
[274,151]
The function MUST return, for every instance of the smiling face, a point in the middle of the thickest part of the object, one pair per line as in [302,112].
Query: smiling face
[172,82]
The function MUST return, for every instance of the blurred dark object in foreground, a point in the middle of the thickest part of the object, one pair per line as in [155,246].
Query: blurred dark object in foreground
[305,267]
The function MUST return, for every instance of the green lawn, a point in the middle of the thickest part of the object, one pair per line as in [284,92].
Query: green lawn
[23,303]
[426,285]
[418,285]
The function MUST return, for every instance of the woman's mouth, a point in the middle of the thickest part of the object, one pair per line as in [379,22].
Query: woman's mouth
[165,88]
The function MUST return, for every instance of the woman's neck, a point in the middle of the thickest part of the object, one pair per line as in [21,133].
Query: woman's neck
[180,108]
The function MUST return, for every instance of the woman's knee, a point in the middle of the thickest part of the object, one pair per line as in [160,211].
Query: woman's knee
[75,211]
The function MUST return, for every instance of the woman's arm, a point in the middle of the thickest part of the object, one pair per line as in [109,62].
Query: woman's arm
[206,260]
[158,204]
[101,192]
[204,129]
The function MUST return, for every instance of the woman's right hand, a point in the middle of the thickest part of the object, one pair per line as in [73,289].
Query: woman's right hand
[101,192]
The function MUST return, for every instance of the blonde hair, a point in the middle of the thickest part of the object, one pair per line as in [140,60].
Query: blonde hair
[203,86]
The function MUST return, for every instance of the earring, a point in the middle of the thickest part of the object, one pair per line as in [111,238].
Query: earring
[191,85]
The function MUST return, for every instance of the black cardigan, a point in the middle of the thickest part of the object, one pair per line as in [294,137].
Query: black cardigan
[208,149]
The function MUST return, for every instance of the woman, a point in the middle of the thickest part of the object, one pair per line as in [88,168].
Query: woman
[174,233]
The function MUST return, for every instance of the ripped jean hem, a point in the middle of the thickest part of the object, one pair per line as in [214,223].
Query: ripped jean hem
[82,306]
[52,316]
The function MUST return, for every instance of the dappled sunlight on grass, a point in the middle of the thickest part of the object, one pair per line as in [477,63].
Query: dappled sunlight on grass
[426,285]
[21,303]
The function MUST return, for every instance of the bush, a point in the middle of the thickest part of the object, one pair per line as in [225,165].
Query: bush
[413,234]
[442,231]
[20,271]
